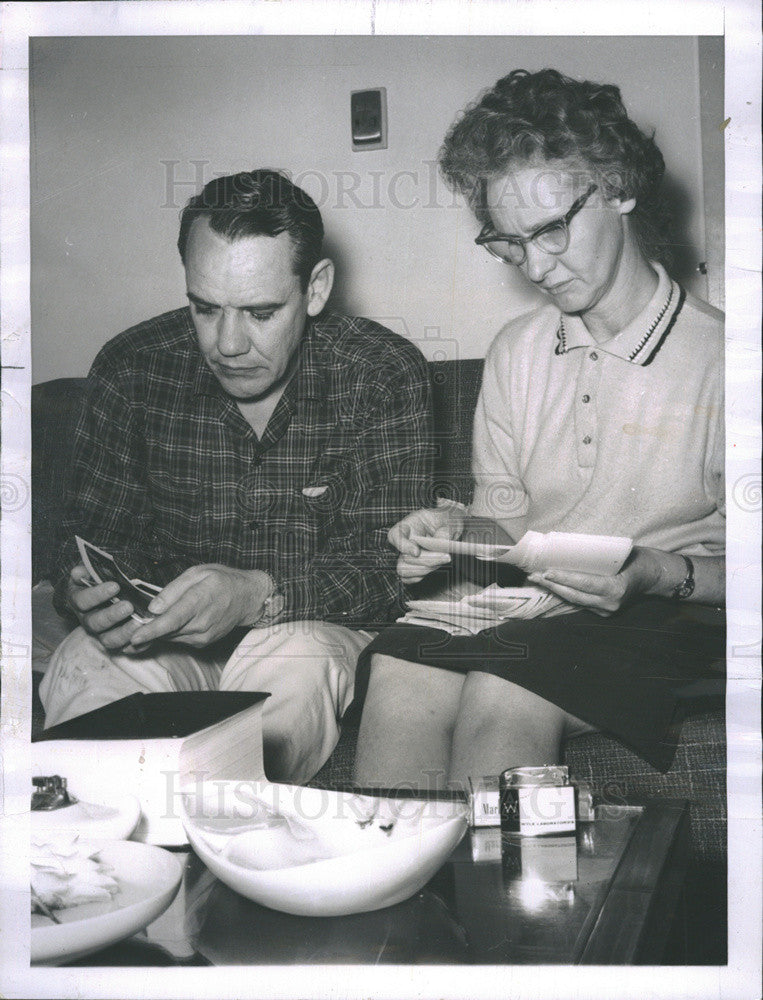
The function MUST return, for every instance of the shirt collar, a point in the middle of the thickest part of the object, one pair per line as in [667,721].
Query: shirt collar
[309,380]
[640,340]
[203,382]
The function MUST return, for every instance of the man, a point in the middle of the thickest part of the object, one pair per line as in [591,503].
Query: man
[248,455]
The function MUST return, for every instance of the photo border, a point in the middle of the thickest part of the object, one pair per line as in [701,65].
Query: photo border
[739,22]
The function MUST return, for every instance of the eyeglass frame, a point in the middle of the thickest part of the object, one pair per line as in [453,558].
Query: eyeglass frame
[486,236]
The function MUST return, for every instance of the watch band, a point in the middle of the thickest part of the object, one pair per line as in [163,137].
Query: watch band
[685,588]
[272,606]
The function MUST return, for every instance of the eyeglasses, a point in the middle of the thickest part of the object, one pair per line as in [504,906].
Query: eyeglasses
[553,238]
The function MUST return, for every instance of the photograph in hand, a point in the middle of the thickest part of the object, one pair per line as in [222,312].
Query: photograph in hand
[103,568]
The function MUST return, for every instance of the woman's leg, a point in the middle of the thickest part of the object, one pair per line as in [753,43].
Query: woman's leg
[501,724]
[407,726]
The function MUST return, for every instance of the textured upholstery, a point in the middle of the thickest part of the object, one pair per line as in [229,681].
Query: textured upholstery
[455,387]
[698,772]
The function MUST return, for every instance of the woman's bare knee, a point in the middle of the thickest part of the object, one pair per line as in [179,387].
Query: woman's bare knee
[407,723]
[500,725]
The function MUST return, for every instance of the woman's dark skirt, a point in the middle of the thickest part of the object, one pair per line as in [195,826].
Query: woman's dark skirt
[634,675]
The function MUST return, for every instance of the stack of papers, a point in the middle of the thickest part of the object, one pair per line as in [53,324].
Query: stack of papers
[488,608]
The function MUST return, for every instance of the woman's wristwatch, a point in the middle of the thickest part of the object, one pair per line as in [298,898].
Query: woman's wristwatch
[685,588]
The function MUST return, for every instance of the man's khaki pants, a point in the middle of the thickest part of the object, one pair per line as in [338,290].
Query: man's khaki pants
[308,668]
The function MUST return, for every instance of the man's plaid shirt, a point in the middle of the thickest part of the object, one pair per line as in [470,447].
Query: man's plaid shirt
[167,474]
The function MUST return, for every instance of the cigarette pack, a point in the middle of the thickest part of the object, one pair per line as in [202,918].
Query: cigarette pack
[484,801]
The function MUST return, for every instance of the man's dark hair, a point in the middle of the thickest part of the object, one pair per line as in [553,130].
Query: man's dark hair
[259,203]
[530,118]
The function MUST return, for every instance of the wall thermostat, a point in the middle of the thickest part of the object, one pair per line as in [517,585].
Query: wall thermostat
[368,118]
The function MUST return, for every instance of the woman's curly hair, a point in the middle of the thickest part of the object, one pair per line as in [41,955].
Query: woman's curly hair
[529,118]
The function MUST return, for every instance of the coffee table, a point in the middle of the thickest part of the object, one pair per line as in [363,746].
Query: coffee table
[605,896]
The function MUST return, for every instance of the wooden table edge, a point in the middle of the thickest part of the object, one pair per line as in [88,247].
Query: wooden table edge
[647,880]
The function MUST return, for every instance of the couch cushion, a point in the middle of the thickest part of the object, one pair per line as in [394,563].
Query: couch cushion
[455,387]
[698,773]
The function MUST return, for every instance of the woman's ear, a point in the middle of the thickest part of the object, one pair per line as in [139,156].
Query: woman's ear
[320,285]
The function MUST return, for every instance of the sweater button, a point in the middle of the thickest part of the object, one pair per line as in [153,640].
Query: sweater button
[586,398]
[593,356]
[587,439]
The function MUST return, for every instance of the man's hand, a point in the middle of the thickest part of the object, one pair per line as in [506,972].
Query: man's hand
[110,623]
[605,594]
[203,604]
[414,562]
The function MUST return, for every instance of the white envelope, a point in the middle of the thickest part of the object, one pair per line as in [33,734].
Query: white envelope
[536,551]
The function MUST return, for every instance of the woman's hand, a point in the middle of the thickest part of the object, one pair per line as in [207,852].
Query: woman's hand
[446,521]
[647,571]
[604,594]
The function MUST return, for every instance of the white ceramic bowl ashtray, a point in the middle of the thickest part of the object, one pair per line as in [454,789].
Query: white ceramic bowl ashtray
[314,852]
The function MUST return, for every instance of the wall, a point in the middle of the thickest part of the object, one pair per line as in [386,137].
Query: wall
[710,63]
[125,129]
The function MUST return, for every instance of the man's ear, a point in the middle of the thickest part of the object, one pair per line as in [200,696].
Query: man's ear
[625,205]
[319,288]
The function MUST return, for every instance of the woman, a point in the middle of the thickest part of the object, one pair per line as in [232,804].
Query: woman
[600,412]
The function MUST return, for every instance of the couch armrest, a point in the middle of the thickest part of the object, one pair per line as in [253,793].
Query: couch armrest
[55,406]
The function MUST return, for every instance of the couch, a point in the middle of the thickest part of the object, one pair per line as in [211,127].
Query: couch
[699,769]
